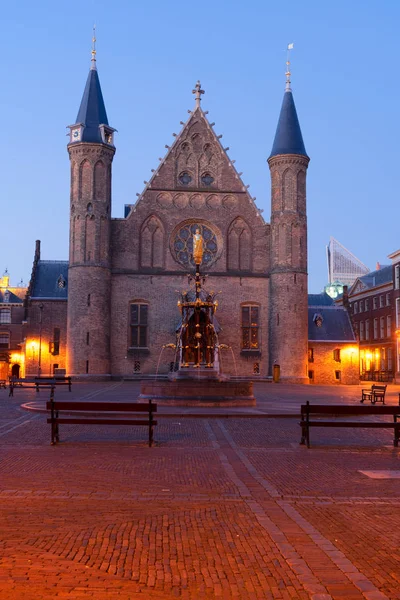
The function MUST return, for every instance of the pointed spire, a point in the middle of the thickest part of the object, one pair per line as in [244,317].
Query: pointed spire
[198,91]
[92,111]
[288,137]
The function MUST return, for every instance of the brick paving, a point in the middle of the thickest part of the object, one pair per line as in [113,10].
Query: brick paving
[219,508]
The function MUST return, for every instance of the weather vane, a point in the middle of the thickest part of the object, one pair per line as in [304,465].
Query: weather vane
[288,73]
[94,48]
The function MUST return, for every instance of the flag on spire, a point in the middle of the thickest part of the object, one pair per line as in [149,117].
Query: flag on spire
[290,46]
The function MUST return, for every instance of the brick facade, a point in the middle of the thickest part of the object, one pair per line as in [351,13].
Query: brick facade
[115,263]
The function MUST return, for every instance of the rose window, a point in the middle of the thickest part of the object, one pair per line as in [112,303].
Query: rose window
[183,244]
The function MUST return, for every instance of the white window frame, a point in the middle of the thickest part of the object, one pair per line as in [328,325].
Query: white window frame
[382,327]
[389,326]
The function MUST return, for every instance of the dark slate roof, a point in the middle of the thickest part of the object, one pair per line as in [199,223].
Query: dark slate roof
[322,299]
[92,111]
[288,138]
[12,299]
[379,277]
[49,275]
[335,327]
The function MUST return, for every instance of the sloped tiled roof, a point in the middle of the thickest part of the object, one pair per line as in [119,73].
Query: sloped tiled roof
[14,297]
[322,299]
[50,274]
[335,324]
[92,111]
[373,279]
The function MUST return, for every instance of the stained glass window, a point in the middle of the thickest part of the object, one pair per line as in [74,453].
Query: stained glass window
[183,244]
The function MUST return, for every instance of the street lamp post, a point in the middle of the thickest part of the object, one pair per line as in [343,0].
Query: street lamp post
[41,306]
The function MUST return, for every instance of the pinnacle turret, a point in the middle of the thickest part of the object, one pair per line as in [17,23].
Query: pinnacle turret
[288,138]
[92,123]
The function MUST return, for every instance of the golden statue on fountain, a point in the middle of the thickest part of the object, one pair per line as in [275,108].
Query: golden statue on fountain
[198,247]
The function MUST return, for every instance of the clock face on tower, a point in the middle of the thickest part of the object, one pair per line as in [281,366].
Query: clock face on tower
[75,135]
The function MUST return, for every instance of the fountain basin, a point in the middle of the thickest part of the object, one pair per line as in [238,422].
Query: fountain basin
[199,392]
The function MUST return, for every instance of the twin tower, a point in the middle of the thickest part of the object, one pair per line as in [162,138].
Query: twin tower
[124,273]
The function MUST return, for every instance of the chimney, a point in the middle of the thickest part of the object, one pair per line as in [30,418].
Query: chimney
[37,250]
[378,266]
[346,296]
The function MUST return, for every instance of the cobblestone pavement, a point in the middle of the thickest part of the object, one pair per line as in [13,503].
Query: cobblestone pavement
[229,508]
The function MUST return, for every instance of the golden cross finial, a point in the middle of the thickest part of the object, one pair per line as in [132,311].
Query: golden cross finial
[288,73]
[94,48]
[198,91]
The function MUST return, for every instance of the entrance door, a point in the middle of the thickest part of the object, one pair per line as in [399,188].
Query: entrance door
[15,371]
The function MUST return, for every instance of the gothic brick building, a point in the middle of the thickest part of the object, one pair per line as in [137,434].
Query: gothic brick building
[115,306]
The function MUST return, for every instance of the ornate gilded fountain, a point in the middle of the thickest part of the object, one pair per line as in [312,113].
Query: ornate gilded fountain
[198,379]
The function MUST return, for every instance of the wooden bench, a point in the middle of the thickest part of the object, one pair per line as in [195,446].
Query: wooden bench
[323,410]
[97,414]
[31,382]
[376,393]
[56,380]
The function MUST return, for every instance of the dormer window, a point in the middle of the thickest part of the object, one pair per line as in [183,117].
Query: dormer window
[61,282]
[107,134]
[318,320]
[6,297]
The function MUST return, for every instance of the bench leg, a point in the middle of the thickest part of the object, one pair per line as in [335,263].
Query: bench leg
[303,436]
[396,436]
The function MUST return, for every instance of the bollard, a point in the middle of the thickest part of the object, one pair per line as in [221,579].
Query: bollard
[276,373]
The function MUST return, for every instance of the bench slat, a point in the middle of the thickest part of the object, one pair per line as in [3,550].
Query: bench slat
[349,424]
[73,421]
[323,409]
[101,406]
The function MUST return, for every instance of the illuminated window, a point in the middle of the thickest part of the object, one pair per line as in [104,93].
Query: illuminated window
[389,359]
[56,341]
[250,327]
[336,355]
[5,315]
[4,339]
[139,325]
[311,355]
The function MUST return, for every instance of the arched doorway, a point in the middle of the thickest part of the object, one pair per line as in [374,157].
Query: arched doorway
[15,371]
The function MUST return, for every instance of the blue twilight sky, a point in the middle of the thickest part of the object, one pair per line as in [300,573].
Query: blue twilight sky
[150,54]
